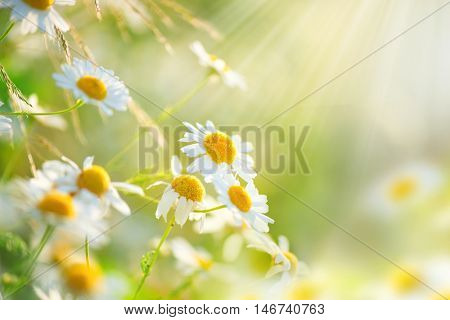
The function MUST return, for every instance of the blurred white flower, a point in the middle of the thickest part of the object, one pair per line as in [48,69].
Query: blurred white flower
[185,190]
[78,214]
[38,14]
[190,259]
[53,121]
[5,125]
[284,261]
[407,186]
[52,294]
[95,85]
[230,77]
[417,280]
[77,280]
[245,203]
[68,177]
[304,289]
[216,153]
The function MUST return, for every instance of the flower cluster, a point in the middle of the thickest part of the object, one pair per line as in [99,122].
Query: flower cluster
[71,205]
[74,198]
[224,162]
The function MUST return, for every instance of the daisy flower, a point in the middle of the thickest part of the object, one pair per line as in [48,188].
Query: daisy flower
[245,203]
[53,294]
[94,85]
[38,14]
[398,284]
[94,179]
[78,214]
[190,259]
[53,121]
[405,187]
[230,77]
[185,190]
[304,289]
[284,261]
[217,153]
[81,281]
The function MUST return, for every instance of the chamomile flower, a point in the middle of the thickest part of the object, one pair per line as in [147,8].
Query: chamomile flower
[94,85]
[53,294]
[283,260]
[245,203]
[415,280]
[93,179]
[53,121]
[78,214]
[38,14]
[230,77]
[190,259]
[82,279]
[405,187]
[186,191]
[217,153]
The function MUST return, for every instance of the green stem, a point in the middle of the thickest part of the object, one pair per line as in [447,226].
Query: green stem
[25,113]
[211,209]
[5,34]
[86,252]
[172,109]
[45,237]
[155,256]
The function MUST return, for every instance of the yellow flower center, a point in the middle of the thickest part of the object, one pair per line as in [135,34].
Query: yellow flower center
[205,264]
[81,278]
[240,198]
[220,147]
[60,251]
[94,88]
[57,203]
[40,4]
[304,290]
[402,189]
[213,57]
[403,282]
[293,260]
[189,187]
[95,179]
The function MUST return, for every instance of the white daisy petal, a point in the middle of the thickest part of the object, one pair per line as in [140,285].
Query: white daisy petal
[128,188]
[168,198]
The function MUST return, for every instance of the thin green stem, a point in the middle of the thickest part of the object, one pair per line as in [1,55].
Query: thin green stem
[7,31]
[155,255]
[25,113]
[174,108]
[45,237]
[86,252]
[211,209]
